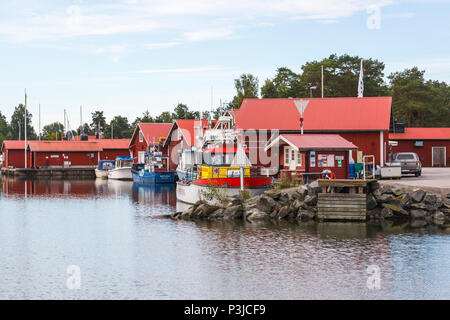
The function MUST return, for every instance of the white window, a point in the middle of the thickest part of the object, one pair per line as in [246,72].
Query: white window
[141,156]
[292,154]
[299,159]
[141,136]
[286,155]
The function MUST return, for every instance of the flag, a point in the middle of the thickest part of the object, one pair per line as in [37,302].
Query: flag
[210,121]
[361,82]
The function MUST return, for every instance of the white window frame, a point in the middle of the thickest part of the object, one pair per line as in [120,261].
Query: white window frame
[287,155]
[299,159]
[141,136]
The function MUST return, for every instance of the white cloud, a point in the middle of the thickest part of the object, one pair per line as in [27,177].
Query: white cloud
[208,34]
[132,16]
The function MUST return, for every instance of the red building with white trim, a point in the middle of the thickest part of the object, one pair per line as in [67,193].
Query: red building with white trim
[431,144]
[313,153]
[183,135]
[362,121]
[113,148]
[147,135]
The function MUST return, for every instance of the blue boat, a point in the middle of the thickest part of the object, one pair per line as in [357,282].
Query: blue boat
[154,171]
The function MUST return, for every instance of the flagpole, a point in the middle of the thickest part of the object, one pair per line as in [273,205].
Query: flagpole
[25,128]
[322,80]
[361,81]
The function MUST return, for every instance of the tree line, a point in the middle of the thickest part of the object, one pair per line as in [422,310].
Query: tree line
[415,101]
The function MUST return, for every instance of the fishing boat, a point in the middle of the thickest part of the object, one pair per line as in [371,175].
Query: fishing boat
[214,182]
[187,169]
[122,169]
[155,170]
[103,168]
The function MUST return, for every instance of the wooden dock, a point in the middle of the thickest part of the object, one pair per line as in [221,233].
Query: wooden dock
[349,204]
[50,172]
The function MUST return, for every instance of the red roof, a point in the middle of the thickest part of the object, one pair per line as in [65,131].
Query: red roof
[315,141]
[321,114]
[58,146]
[14,144]
[422,134]
[186,127]
[113,143]
[152,131]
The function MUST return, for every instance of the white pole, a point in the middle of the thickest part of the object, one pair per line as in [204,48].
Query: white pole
[25,129]
[241,171]
[322,81]
[39,122]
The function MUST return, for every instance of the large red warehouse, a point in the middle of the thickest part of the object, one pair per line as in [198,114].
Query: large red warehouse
[362,121]
[431,144]
[63,153]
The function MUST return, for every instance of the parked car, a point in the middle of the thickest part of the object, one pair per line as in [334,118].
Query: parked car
[410,162]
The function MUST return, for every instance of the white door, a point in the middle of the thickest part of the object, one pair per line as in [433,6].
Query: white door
[438,156]
[293,160]
[141,156]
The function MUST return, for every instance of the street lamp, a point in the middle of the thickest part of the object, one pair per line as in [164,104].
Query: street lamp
[311,89]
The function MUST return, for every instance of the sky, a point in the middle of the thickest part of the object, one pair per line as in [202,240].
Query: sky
[128,56]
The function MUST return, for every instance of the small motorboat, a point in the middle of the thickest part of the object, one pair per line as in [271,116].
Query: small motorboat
[122,169]
[103,168]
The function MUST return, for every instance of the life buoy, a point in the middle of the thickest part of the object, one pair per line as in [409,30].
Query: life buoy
[327,175]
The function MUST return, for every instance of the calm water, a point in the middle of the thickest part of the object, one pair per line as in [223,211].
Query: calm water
[113,231]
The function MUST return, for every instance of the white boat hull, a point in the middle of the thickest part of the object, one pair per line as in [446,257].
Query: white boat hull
[101,174]
[191,193]
[120,174]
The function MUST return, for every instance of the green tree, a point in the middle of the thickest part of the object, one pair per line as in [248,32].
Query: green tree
[247,86]
[341,74]
[417,102]
[118,127]
[285,84]
[146,118]
[181,111]
[18,118]
[5,130]
[85,130]
[53,131]
[98,122]
[165,117]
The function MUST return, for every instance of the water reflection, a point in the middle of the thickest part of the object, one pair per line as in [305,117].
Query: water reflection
[113,231]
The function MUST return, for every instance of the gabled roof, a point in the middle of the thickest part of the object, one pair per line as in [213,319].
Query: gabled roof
[187,128]
[422,134]
[305,142]
[152,131]
[14,144]
[321,114]
[58,146]
[113,143]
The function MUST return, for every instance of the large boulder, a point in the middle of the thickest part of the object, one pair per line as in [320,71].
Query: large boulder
[385,197]
[374,185]
[386,212]
[217,214]
[395,207]
[300,194]
[203,211]
[406,201]
[284,197]
[418,195]
[306,214]
[310,200]
[418,214]
[438,217]
[256,214]
[371,202]
[430,199]
[283,212]
[187,213]
[273,193]
[266,204]
[233,212]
